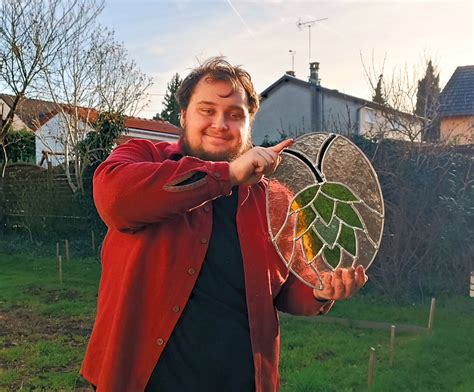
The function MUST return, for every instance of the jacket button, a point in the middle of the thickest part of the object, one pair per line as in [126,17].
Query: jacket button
[203,240]
[160,342]
[217,174]
[176,308]
[207,208]
[191,271]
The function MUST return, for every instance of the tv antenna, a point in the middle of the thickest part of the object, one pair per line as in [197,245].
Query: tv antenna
[308,24]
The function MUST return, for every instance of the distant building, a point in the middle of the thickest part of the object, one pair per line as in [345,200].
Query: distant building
[153,130]
[456,111]
[28,114]
[48,123]
[291,107]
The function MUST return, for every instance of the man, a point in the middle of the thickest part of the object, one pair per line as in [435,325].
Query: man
[191,282]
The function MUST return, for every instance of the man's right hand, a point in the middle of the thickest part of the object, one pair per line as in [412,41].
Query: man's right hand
[250,167]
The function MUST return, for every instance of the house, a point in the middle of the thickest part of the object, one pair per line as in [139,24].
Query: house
[153,130]
[49,124]
[291,106]
[28,113]
[456,111]
[49,133]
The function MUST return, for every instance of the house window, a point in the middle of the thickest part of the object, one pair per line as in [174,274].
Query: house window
[397,126]
[370,116]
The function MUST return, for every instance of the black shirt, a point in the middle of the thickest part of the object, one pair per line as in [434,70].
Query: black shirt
[209,349]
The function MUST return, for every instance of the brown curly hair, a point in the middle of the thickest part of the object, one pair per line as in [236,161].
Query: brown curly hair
[218,69]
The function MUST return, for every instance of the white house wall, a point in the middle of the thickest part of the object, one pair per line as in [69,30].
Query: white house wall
[50,136]
[376,124]
[339,115]
[48,139]
[287,108]
[134,133]
[295,107]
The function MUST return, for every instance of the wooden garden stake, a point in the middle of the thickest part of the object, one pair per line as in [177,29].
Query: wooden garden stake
[60,269]
[370,373]
[93,241]
[66,249]
[49,175]
[432,311]
[471,288]
[392,345]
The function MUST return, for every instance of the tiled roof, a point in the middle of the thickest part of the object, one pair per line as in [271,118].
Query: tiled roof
[151,125]
[87,115]
[457,97]
[31,111]
[35,113]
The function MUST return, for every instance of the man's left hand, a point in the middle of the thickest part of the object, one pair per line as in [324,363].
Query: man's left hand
[342,283]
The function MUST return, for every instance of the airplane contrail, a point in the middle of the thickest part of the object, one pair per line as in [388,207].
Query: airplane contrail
[240,17]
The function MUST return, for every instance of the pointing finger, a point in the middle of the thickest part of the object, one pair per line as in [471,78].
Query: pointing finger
[269,155]
[280,146]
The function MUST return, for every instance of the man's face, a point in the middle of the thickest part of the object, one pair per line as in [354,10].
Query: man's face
[216,122]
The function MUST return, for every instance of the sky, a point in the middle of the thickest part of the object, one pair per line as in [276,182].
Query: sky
[169,36]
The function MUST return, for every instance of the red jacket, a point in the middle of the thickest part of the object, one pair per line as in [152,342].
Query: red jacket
[154,249]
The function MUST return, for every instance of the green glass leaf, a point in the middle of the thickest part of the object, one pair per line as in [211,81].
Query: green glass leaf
[325,206]
[303,198]
[305,218]
[328,233]
[338,192]
[311,244]
[347,214]
[332,256]
[347,240]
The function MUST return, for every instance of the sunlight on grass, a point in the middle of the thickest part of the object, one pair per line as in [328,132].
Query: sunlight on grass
[47,326]
[328,357]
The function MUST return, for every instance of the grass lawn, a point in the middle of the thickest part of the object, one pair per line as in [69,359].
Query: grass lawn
[44,328]
[328,357]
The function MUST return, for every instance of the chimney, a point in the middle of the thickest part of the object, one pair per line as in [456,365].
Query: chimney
[291,73]
[314,73]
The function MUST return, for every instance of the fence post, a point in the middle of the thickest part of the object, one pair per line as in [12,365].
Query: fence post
[370,373]
[471,291]
[60,269]
[392,345]
[432,310]
[93,241]
[66,249]
[49,174]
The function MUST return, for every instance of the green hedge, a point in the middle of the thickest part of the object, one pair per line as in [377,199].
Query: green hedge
[428,242]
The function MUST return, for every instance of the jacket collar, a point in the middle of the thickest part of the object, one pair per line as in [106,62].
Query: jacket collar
[176,151]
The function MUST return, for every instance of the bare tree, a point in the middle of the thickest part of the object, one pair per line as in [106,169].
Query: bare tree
[426,186]
[32,35]
[396,116]
[92,75]
[120,84]
[338,122]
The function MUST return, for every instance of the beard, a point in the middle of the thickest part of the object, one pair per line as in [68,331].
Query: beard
[227,156]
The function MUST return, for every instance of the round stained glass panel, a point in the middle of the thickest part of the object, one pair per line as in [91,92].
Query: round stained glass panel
[325,207]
